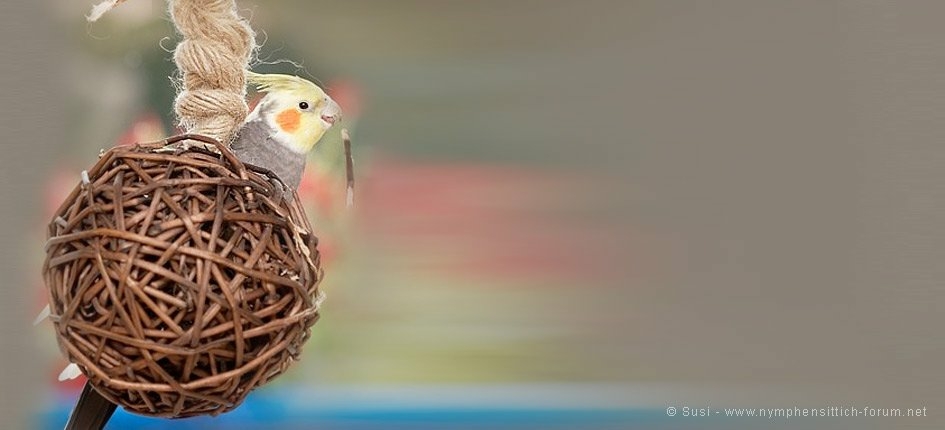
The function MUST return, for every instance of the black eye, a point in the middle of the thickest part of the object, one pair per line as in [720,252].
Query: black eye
[303,105]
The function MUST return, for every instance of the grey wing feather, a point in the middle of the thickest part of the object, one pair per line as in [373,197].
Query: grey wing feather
[255,145]
[251,136]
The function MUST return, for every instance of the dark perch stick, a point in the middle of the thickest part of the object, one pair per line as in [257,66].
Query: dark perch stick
[91,412]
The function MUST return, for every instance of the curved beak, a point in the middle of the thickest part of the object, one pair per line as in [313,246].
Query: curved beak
[331,113]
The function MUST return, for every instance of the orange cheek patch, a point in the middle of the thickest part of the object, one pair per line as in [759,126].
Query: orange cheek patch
[289,120]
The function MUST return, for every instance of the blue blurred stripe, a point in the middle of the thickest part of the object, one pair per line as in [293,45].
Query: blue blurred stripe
[514,407]
[366,408]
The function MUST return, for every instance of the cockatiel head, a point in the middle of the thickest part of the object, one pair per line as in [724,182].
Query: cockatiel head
[289,120]
[296,109]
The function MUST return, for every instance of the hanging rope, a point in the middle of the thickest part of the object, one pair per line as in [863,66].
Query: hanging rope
[212,59]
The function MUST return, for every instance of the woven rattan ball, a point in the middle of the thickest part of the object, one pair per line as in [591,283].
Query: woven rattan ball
[180,279]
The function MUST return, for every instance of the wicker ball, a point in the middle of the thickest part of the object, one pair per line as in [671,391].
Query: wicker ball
[180,280]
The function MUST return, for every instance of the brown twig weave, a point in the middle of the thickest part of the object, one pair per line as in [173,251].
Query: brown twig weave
[178,283]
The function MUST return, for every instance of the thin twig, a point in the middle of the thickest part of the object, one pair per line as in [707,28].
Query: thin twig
[349,167]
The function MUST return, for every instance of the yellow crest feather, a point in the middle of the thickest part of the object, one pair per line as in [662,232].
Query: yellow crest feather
[274,82]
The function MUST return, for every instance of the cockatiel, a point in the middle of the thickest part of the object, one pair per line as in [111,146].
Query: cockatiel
[285,125]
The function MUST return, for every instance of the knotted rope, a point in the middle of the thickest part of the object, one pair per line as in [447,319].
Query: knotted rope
[212,59]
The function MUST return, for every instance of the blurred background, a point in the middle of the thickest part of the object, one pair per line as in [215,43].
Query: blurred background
[569,214]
